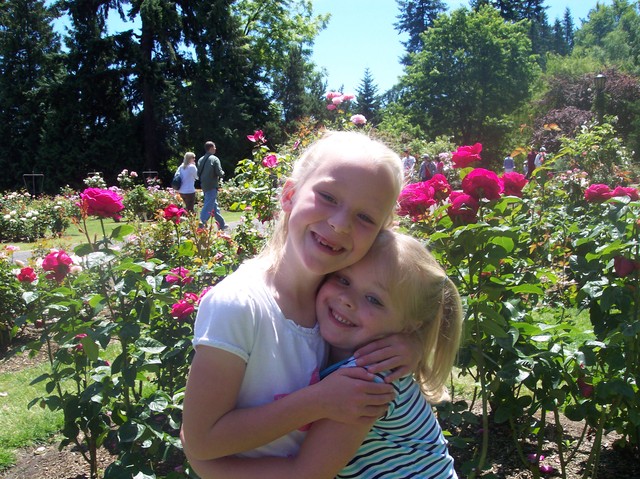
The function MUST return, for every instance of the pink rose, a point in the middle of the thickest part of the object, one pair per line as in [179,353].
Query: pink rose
[331,106]
[270,161]
[415,199]
[101,203]
[629,191]
[513,183]
[463,208]
[26,275]
[481,183]
[597,193]
[336,100]
[348,97]
[58,263]
[179,275]
[173,213]
[192,298]
[465,155]
[358,119]
[257,137]
[333,94]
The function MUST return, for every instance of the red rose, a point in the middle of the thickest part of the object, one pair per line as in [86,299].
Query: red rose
[58,263]
[629,191]
[465,155]
[597,193]
[586,389]
[415,199]
[27,275]
[173,213]
[624,267]
[440,185]
[481,183]
[101,203]
[513,183]
[182,309]
[463,208]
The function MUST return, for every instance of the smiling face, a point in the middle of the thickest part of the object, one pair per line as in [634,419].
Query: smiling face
[355,306]
[335,214]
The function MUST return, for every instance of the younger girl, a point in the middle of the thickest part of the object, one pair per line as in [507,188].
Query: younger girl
[253,384]
[397,287]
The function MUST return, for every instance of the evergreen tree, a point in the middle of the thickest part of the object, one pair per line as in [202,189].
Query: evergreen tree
[368,102]
[559,45]
[514,10]
[28,65]
[414,18]
[92,106]
[569,29]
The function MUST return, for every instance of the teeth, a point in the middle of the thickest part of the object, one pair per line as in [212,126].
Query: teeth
[341,320]
[327,245]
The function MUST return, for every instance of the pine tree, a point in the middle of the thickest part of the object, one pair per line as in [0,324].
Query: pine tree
[368,101]
[414,18]
[569,29]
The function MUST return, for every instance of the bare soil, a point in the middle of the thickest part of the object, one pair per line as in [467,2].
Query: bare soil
[47,462]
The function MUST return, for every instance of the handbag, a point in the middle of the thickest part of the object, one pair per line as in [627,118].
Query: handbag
[176,182]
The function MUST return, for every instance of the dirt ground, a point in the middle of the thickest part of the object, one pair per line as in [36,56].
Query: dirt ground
[46,462]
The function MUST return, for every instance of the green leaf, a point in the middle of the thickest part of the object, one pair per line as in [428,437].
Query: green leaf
[119,232]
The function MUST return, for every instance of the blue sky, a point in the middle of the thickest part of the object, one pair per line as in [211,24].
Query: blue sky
[360,35]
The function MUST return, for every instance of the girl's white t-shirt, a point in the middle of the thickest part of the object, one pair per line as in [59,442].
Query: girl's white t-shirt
[240,315]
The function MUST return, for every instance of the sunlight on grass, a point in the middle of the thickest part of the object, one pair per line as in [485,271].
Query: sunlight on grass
[20,426]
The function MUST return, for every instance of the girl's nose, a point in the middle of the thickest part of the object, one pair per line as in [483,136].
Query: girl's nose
[340,222]
[346,300]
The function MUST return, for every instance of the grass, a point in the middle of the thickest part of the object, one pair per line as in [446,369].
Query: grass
[23,427]
[73,236]
[19,426]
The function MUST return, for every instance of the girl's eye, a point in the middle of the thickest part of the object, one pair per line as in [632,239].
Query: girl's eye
[341,280]
[327,197]
[366,219]
[373,300]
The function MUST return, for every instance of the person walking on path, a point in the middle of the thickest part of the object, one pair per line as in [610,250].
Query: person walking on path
[188,173]
[210,171]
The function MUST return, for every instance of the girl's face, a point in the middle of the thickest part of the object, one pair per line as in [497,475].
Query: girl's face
[354,307]
[335,214]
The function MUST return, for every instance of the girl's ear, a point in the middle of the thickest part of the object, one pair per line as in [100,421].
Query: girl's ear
[286,197]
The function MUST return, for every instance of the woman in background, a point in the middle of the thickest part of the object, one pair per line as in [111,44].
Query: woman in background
[188,173]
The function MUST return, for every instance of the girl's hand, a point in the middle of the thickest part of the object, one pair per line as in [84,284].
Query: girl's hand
[349,395]
[398,353]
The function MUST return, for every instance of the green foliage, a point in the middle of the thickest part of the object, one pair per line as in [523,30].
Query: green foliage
[474,69]
[523,268]
[598,151]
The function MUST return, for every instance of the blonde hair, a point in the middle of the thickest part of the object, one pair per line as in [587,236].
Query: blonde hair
[430,302]
[187,157]
[331,143]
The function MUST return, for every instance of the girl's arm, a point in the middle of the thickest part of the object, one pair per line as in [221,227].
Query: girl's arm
[398,353]
[327,449]
[213,428]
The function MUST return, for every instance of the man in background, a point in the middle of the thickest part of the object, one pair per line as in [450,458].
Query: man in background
[210,171]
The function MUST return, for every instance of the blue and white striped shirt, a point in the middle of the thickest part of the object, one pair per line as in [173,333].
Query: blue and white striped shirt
[407,442]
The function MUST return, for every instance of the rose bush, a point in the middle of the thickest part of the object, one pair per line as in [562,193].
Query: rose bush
[542,248]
